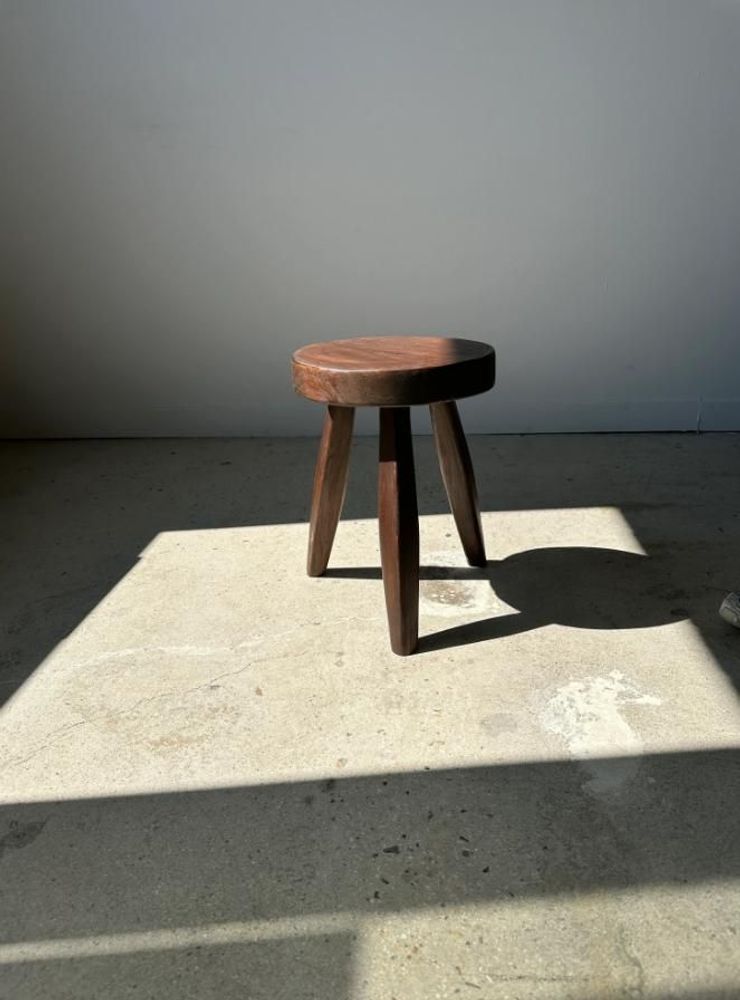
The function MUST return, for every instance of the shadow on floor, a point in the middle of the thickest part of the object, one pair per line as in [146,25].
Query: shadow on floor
[77,514]
[299,967]
[86,872]
[591,588]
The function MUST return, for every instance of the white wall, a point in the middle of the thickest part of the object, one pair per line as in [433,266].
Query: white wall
[192,188]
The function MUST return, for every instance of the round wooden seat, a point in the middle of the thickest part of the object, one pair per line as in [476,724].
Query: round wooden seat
[394,374]
[393,371]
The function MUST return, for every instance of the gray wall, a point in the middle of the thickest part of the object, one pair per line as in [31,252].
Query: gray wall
[192,188]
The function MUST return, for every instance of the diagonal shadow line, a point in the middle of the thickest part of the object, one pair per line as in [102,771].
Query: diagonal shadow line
[79,513]
[279,966]
[383,842]
[307,847]
[323,964]
[577,586]
[486,630]
[457,635]
[428,572]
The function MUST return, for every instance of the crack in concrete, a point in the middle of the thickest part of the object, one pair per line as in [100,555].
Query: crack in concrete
[57,735]
[532,977]
[638,990]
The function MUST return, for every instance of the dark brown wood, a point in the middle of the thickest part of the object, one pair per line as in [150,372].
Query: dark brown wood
[393,371]
[459,480]
[399,529]
[329,486]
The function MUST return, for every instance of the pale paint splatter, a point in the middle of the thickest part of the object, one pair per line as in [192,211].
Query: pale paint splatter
[587,715]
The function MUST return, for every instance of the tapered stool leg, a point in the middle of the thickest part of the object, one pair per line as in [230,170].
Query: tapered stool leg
[399,528]
[329,485]
[457,473]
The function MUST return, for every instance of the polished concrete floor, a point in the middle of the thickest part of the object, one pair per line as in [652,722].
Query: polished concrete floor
[218,782]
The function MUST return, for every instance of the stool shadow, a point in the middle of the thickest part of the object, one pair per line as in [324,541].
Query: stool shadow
[580,587]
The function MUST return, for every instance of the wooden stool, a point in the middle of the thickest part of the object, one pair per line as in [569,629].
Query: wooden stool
[394,373]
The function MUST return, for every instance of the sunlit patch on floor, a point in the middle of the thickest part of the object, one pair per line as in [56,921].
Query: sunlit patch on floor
[451,588]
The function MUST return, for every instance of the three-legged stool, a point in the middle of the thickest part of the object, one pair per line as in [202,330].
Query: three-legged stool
[394,373]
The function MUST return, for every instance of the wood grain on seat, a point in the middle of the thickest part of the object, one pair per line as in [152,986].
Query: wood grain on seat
[393,371]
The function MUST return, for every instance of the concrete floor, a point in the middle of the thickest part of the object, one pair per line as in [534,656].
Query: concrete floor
[218,781]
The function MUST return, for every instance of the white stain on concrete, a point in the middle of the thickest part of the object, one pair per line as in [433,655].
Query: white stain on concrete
[588,716]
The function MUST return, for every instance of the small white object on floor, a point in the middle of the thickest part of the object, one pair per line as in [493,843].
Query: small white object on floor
[730,609]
